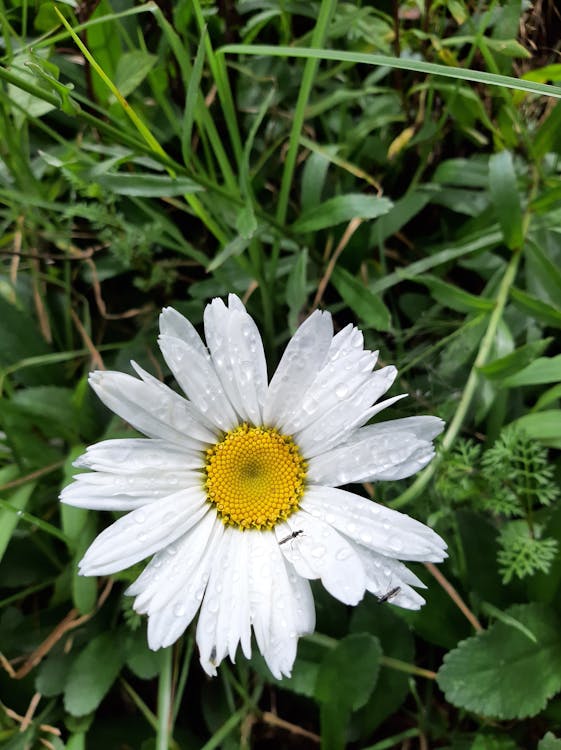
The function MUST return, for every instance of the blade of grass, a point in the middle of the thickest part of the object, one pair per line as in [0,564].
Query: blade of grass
[419,66]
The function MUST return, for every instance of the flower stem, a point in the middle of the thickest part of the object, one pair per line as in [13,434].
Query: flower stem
[164,701]
[470,388]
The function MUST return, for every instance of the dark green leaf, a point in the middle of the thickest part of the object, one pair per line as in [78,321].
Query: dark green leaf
[147,185]
[500,672]
[342,208]
[512,363]
[92,673]
[348,673]
[506,199]
[541,311]
[368,306]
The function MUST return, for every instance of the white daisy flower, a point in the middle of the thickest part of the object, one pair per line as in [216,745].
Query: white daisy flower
[233,491]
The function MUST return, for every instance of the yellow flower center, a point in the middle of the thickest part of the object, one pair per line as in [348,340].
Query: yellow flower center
[255,477]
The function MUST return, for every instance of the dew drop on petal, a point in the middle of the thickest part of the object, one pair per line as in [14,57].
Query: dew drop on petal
[140,517]
[341,391]
[179,610]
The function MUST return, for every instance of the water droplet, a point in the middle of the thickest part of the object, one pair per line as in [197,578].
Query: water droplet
[179,610]
[140,516]
[318,551]
[343,554]
[142,537]
[341,391]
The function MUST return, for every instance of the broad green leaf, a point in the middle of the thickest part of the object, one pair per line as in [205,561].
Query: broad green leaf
[147,185]
[541,311]
[368,306]
[340,209]
[548,135]
[542,271]
[396,639]
[500,673]
[463,173]
[512,363]
[549,742]
[348,673]
[17,499]
[92,673]
[52,673]
[541,370]
[141,660]
[548,397]
[544,426]
[401,212]
[506,199]
[453,296]
[132,69]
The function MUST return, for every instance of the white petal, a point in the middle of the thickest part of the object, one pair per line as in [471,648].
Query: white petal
[321,552]
[104,491]
[381,529]
[340,414]
[281,604]
[302,359]
[175,325]
[346,367]
[152,409]
[388,450]
[197,377]
[144,531]
[385,575]
[172,604]
[139,456]
[238,356]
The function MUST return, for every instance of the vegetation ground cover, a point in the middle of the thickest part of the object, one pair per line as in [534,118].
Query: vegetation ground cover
[395,163]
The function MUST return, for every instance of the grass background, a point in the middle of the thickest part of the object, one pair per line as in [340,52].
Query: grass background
[395,163]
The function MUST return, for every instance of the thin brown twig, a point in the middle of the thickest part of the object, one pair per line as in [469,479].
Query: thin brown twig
[453,594]
[30,712]
[30,477]
[69,622]
[97,359]
[352,226]
[270,718]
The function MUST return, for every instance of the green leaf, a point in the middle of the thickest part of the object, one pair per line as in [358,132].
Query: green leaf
[512,363]
[368,306]
[17,500]
[452,296]
[549,742]
[147,185]
[544,426]
[93,672]
[541,370]
[396,640]
[342,208]
[462,173]
[541,311]
[132,69]
[296,294]
[548,135]
[348,673]
[506,199]
[500,672]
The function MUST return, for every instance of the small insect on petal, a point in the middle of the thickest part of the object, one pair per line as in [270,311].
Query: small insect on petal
[390,595]
[291,536]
